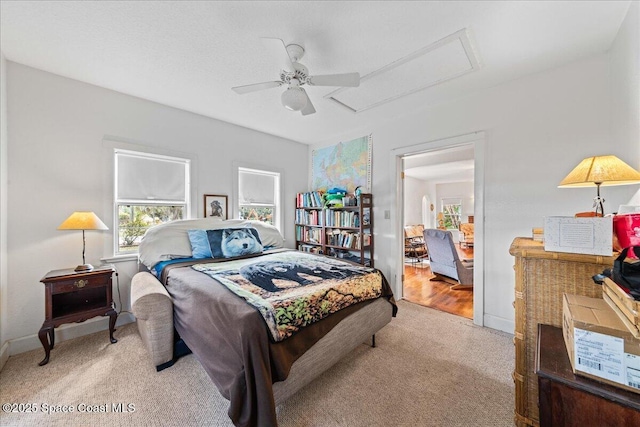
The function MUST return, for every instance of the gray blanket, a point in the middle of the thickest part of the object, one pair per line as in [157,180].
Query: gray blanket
[231,341]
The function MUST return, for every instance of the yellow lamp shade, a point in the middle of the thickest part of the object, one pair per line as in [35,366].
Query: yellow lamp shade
[83,221]
[603,170]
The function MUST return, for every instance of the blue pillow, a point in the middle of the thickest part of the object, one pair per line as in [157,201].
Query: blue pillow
[225,242]
[200,244]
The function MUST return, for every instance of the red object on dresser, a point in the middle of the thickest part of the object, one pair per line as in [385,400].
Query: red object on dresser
[627,229]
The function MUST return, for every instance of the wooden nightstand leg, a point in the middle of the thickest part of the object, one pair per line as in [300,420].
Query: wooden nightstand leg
[43,334]
[52,337]
[112,324]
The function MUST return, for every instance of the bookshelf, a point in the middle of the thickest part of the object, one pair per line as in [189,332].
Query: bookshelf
[344,232]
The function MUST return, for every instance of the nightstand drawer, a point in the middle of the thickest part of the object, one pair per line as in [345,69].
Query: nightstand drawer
[80,283]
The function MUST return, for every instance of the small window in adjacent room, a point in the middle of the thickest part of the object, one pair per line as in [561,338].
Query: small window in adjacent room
[451,209]
[149,190]
[259,195]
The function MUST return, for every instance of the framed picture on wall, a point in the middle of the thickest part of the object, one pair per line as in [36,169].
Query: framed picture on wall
[215,206]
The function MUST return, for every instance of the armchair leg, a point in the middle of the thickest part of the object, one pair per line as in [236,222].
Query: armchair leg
[455,285]
[441,278]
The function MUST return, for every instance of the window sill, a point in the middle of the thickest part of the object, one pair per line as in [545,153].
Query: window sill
[120,258]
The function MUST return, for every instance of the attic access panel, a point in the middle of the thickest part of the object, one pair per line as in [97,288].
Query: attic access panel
[439,62]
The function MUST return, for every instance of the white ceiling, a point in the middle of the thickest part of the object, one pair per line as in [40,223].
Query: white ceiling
[447,165]
[189,54]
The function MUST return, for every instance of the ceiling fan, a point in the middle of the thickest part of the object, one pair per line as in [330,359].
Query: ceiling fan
[295,75]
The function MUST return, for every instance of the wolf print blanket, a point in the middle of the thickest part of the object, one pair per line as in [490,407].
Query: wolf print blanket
[294,289]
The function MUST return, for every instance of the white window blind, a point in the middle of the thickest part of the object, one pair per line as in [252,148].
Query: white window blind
[259,195]
[149,190]
[150,178]
[256,187]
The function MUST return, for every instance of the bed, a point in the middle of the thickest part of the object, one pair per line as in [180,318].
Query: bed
[238,313]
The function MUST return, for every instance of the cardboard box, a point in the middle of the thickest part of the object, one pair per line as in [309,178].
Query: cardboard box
[593,236]
[599,344]
[627,308]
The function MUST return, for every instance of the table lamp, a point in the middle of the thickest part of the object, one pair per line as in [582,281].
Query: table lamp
[83,221]
[600,170]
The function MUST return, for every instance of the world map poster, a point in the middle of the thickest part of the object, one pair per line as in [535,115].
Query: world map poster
[346,165]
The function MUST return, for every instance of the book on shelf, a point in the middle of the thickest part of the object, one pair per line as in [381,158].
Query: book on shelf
[310,248]
[313,235]
[348,239]
[310,199]
[336,218]
[309,235]
[350,256]
[306,217]
[366,217]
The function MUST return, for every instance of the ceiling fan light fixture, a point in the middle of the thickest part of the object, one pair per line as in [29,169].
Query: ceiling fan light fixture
[294,74]
[294,98]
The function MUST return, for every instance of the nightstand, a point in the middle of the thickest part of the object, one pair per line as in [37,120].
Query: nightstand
[72,296]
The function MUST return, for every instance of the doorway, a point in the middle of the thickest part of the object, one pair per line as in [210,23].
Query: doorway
[438,189]
[399,157]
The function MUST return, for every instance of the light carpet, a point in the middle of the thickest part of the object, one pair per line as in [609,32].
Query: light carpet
[429,369]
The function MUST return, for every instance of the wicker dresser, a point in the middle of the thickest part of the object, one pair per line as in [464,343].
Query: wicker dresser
[541,279]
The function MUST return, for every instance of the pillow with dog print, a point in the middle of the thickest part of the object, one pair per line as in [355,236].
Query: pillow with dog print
[225,242]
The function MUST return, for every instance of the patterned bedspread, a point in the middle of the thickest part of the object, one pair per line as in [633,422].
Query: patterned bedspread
[294,289]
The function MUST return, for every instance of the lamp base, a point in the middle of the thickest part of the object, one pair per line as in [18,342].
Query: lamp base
[84,267]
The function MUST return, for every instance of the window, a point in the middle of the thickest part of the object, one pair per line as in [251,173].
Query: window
[451,210]
[149,190]
[259,195]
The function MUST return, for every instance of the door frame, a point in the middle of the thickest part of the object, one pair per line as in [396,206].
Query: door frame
[397,168]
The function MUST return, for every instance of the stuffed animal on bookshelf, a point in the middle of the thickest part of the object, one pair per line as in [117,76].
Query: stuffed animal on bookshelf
[333,198]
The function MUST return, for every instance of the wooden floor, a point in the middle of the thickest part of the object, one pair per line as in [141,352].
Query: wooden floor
[436,294]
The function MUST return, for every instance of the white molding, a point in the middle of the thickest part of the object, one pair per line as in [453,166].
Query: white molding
[479,274]
[4,354]
[67,332]
[120,258]
[462,36]
[499,323]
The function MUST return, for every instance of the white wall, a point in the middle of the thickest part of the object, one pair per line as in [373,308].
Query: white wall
[4,141]
[58,163]
[625,86]
[414,190]
[536,130]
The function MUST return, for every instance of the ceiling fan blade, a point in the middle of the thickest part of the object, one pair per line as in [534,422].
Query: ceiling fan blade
[279,51]
[308,109]
[347,79]
[255,87]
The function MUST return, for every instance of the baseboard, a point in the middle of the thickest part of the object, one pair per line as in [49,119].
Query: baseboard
[499,323]
[67,332]
[4,354]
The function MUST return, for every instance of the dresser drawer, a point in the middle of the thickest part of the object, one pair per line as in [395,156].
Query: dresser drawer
[71,285]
